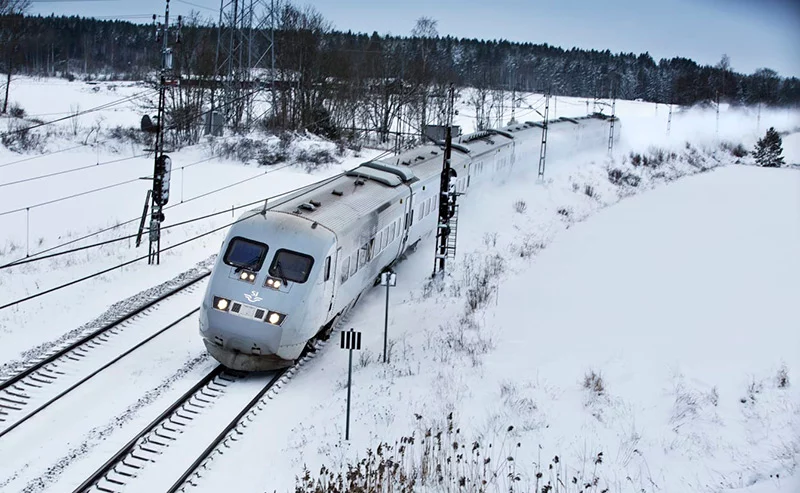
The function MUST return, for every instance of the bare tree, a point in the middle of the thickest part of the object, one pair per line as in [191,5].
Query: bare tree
[425,34]
[11,21]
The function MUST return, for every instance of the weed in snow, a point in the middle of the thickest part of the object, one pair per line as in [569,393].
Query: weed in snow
[440,458]
[783,377]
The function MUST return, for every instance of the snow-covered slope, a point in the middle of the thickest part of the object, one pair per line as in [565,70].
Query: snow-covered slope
[680,298]
[681,301]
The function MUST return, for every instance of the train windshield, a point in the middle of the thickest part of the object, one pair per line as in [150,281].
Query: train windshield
[291,266]
[245,254]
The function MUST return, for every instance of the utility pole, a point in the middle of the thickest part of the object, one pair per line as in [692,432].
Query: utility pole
[447,197]
[758,120]
[513,96]
[669,119]
[611,127]
[543,147]
[388,279]
[162,166]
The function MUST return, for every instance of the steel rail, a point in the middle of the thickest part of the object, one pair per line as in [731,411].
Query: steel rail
[83,340]
[221,436]
[128,447]
[91,375]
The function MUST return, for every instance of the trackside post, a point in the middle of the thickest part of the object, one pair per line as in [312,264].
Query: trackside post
[388,279]
[351,340]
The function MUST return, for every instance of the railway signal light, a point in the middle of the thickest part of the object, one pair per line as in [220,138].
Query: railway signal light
[161,177]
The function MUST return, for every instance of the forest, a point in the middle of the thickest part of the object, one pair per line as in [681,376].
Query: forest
[335,83]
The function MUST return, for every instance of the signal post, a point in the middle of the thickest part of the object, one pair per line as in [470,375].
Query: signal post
[162,166]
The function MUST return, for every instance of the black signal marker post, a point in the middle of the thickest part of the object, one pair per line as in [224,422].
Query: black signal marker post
[351,340]
[388,279]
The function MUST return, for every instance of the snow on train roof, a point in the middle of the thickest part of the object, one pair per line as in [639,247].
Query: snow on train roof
[339,202]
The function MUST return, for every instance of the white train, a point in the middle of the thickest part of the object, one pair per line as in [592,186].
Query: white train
[286,273]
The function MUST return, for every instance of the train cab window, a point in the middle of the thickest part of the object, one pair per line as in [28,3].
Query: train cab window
[327,268]
[385,239]
[245,254]
[353,263]
[362,256]
[291,266]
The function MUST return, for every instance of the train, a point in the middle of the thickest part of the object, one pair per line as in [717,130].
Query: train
[288,271]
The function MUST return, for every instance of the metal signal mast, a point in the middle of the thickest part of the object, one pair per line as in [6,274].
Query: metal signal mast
[245,57]
[448,210]
[162,166]
[545,124]
[611,127]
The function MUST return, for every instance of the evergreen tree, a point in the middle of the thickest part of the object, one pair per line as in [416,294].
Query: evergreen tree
[768,150]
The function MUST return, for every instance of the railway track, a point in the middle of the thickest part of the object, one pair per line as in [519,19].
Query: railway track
[44,382]
[165,453]
[186,436]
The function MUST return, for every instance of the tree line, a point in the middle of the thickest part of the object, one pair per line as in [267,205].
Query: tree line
[335,82]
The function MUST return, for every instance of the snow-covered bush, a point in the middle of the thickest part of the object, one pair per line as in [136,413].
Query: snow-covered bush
[19,138]
[440,457]
[480,275]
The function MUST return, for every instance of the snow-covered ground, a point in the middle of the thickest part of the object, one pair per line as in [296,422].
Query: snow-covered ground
[681,299]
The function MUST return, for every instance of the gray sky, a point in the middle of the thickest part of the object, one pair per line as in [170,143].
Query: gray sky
[754,33]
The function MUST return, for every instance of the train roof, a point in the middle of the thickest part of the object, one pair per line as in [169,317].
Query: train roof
[338,202]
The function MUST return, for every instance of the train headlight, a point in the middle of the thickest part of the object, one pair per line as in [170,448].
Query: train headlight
[221,303]
[275,318]
[274,283]
[247,276]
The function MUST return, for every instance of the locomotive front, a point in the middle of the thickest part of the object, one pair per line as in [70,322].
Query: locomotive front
[267,293]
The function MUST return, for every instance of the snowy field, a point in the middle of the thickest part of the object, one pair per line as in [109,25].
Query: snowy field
[680,300]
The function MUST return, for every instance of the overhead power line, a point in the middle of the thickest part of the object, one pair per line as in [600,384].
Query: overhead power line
[39,156]
[181,243]
[79,113]
[72,170]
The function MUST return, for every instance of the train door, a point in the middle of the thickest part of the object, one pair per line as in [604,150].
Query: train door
[330,270]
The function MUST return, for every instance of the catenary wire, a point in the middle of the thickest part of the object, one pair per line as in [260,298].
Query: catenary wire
[79,113]
[71,170]
[165,249]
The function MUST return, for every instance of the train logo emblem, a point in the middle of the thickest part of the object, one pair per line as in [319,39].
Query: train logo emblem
[253,297]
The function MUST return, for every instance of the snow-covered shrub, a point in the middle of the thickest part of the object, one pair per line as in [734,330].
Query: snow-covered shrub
[530,246]
[16,111]
[315,158]
[440,457]
[520,206]
[129,134]
[736,150]
[269,157]
[783,377]
[365,358]
[479,277]
[619,177]
[20,138]
[593,382]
